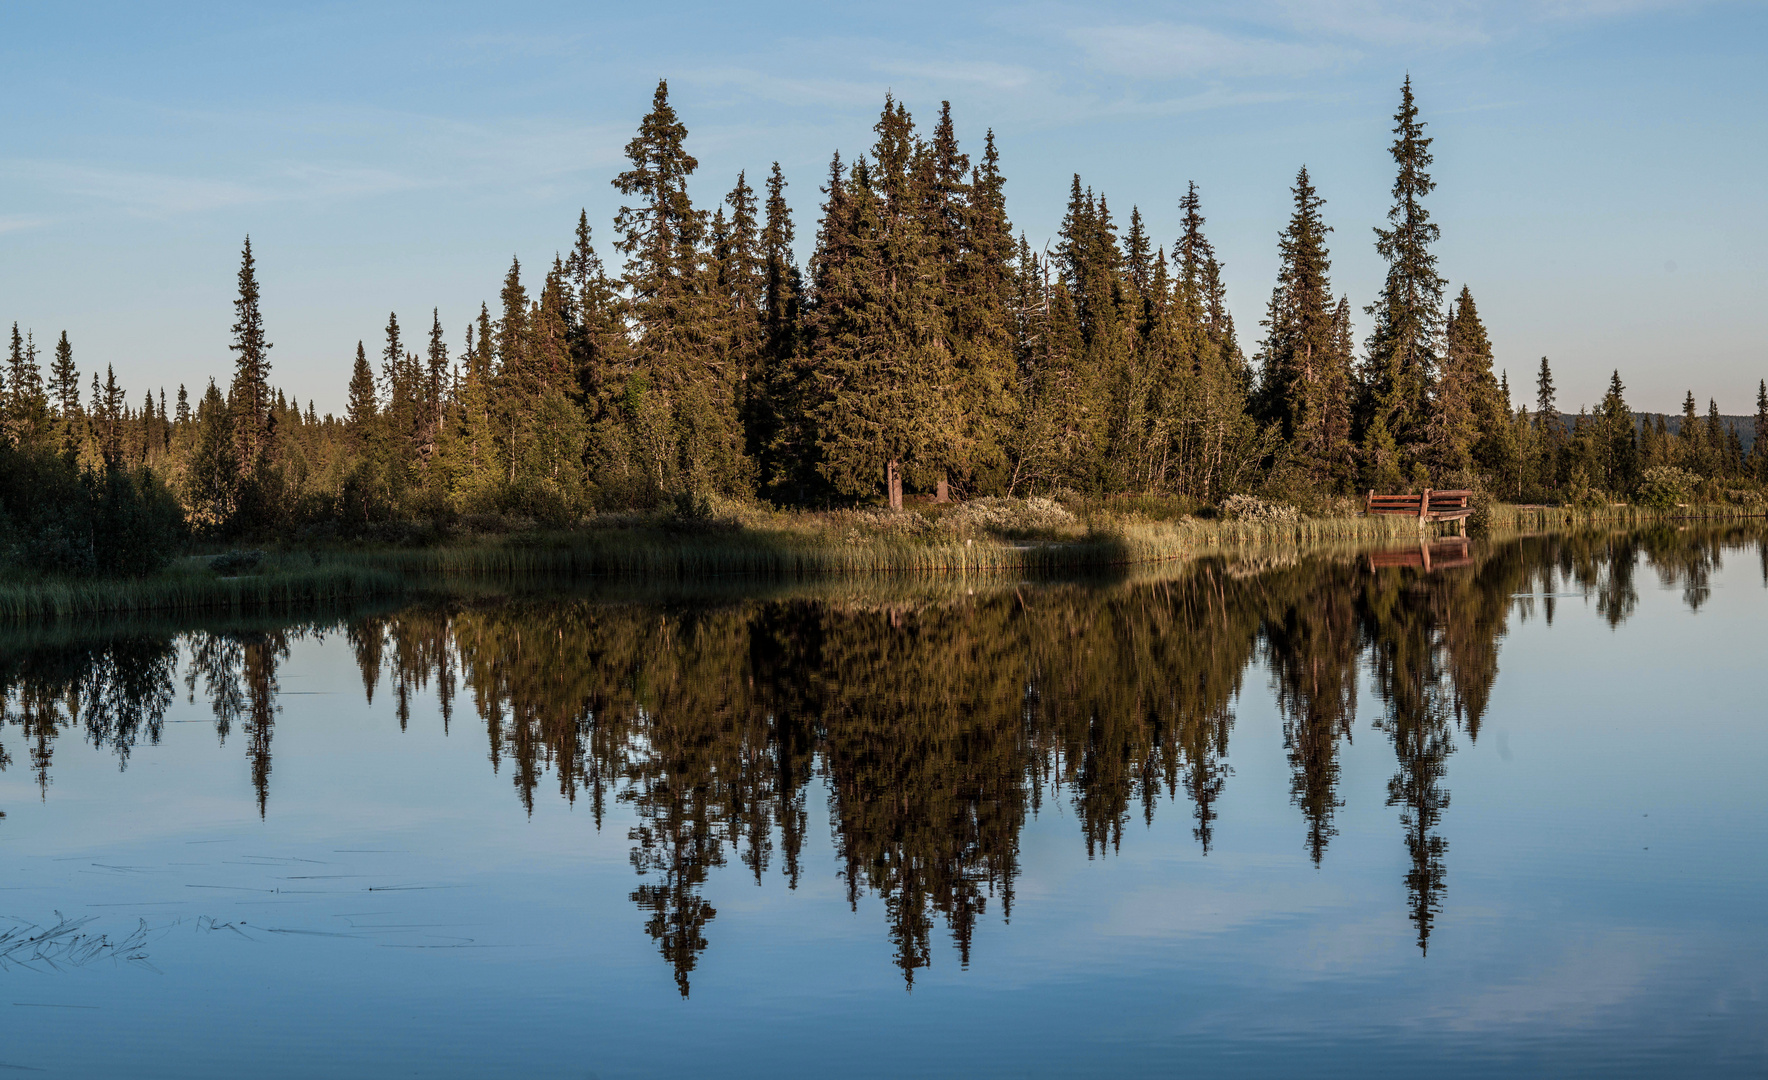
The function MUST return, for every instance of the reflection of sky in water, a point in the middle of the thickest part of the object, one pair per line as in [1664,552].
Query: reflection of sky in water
[397,911]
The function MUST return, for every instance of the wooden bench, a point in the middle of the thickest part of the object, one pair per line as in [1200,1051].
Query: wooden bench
[1428,505]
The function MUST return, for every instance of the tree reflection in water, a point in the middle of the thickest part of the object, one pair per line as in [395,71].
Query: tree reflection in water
[938,722]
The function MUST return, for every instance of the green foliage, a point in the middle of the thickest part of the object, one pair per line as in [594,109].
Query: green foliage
[1665,487]
[919,335]
[56,520]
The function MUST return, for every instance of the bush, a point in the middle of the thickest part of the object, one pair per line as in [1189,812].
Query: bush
[54,519]
[235,563]
[1664,487]
[1008,517]
[691,512]
[870,524]
[1254,510]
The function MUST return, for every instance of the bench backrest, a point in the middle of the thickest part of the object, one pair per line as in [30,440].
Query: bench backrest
[1439,502]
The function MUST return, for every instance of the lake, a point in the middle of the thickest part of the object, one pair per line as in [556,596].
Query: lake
[1460,808]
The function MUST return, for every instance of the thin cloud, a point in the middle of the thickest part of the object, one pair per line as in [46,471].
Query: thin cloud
[20,222]
[981,73]
[1168,50]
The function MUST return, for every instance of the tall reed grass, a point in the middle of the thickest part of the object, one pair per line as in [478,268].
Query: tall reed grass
[777,550]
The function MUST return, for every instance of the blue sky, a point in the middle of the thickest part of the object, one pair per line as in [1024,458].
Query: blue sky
[1600,162]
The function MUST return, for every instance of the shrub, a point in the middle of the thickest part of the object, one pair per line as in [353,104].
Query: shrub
[54,519]
[1663,487]
[1252,509]
[1008,517]
[235,563]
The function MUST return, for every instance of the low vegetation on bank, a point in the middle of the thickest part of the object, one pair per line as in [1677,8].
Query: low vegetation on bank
[703,537]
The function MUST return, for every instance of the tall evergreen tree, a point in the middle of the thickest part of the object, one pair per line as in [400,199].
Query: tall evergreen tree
[1403,348]
[1616,449]
[978,323]
[1693,445]
[64,388]
[363,409]
[1760,448]
[250,394]
[1552,430]
[697,433]
[884,368]
[435,383]
[1305,389]
[783,438]
[26,405]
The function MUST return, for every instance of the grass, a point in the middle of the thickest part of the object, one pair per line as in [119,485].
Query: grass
[989,539]
[285,583]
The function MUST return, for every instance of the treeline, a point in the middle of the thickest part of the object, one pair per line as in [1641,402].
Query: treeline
[922,348]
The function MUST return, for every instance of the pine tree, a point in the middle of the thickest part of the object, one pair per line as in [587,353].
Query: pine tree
[399,393]
[1304,388]
[250,394]
[112,410]
[599,329]
[739,288]
[1551,425]
[435,385]
[64,381]
[363,410]
[691,433]
[1713,435]
[211,481]
[885,374]
[1616,449]
[1403,347]
[1760,447]
[1693,446]
[26,404]
[782,431]
[1464,412]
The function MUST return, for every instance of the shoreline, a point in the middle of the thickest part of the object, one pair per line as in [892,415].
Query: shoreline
[299,578]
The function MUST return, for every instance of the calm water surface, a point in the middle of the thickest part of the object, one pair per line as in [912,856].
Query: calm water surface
[1343,814]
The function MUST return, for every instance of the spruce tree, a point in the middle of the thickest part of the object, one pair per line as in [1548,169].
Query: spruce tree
[691,434]
[599,330]
[782,433]
[1403,347]
[1304,388]
[398,389]
[1760,448]
[1689,436]
[1464,410]
[885,373]
[363,409]
[435,384]
[1210,443]
[1552,431]
[1616,449]
[64,381]
[64,389]
[978,325]
[26,404]
[211,482]
[250,394]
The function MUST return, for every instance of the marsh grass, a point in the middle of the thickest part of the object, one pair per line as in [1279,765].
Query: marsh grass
[740,544]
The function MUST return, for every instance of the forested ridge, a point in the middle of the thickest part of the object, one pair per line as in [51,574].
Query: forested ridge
[923,341]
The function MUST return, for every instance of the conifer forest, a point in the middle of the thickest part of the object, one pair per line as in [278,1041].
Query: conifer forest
[924,347]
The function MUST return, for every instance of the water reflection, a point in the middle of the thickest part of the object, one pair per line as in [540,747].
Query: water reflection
[938,722]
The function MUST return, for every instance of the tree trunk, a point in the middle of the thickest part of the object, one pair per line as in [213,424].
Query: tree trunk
[893,484]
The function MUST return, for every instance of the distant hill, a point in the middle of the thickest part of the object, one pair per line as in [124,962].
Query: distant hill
[1745,426]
